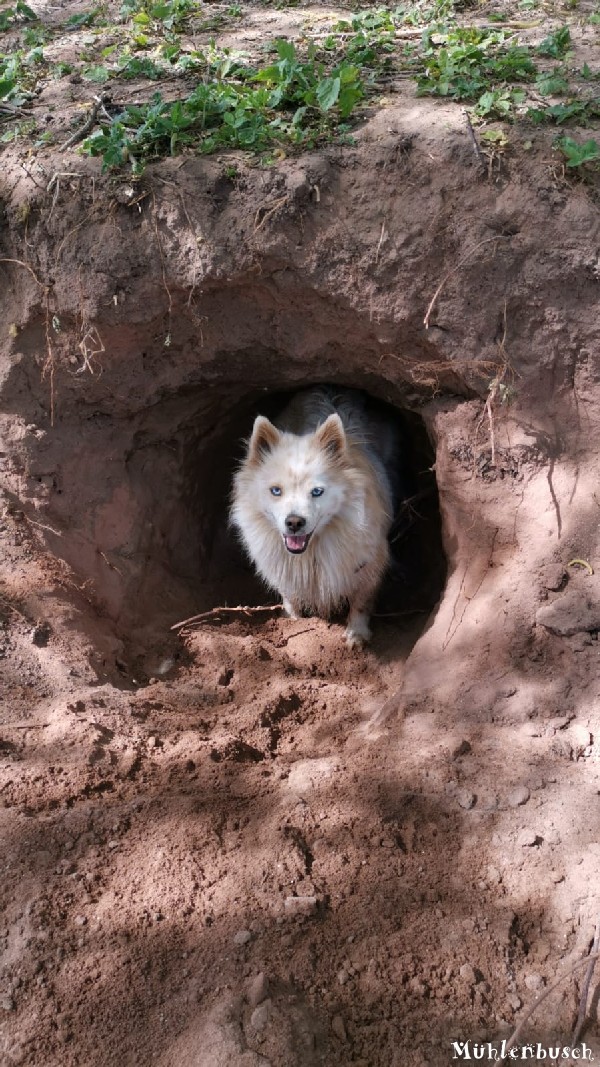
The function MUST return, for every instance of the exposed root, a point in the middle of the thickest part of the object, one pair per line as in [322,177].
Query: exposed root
[259,221]
[530,1010]
[581,563]
[429,375]
[167,340]
[216,613]
[21,263]
[586,987]
[457,617]
[486,241]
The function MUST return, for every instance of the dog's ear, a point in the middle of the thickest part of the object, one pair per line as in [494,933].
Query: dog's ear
[331,437]
[264,438]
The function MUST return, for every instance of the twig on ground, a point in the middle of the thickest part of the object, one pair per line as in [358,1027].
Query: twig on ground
[475,142]
[88,125]
[488,409]
[215,612]
[24,725]
[42,526]
[486,241]
[530,1010]
[586,987]
[49,366]
[401,35]
[9,112]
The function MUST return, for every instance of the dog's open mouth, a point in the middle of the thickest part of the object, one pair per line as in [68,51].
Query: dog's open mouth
[296,543]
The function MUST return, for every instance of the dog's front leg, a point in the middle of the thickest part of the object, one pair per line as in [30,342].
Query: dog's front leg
[358,631]
[292,607]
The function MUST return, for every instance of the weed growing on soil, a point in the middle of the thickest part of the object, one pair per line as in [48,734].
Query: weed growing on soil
[579,155]
[301,98]
[578,111]
[172,13]
[557,44]
[18,75]
[466,63]
[287,102]
[9,16]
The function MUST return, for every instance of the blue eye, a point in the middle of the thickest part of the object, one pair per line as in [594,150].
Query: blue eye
[317,491]
[276,490]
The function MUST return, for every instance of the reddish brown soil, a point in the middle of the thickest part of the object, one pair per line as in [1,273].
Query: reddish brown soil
[405,843]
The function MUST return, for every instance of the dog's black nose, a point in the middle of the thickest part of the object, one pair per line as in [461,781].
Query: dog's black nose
[295,523]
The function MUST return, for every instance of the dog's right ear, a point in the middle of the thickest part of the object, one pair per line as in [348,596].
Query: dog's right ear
[264,438]
[331,436]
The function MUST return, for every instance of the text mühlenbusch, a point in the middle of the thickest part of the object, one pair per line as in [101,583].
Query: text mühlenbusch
[466,1050]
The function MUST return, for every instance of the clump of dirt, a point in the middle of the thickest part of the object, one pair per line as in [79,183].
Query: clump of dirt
[236,842]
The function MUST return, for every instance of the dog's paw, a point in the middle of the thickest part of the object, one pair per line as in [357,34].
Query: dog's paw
[290,610]
[358,632]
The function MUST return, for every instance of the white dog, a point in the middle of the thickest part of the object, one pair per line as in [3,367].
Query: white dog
[312,502]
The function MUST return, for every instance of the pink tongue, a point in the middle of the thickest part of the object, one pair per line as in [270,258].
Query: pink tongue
[296,542]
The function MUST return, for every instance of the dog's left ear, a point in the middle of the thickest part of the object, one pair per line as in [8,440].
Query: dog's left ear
[264,438]
[331,436]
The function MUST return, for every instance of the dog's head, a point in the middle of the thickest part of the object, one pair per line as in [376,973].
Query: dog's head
[298,479]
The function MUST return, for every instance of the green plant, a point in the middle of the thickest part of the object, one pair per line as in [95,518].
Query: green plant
[494,139]
[85,18]
[557,44]
[305,84]
[12,79]
[577,155]
[579,111]
[171,13]
[21,12]
[552,83]
[20,129]
[134,67]
[464,63]
[499,103]
[289,101]
[34,36]
[97,73]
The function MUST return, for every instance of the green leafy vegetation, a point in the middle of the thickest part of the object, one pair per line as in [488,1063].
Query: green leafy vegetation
[578,155]
[172,13]
[499,103]
[552,83]
[289,101]
[578,111]
[18,75]
[9,16]
[85,18]
[557,44]
[303,94]
[465,63]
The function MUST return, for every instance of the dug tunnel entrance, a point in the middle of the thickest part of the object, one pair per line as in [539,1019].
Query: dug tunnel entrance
[163,545]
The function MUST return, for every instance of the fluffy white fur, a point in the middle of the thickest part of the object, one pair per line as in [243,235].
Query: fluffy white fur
[346,525]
